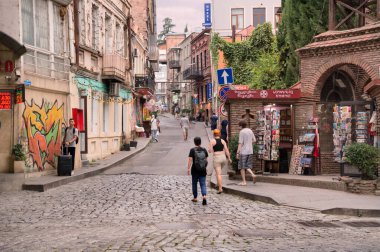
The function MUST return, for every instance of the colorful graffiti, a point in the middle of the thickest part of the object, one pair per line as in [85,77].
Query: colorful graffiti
[43,129]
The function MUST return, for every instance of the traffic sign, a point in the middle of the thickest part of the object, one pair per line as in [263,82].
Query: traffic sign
[225,76]
[223,92]
[222,110]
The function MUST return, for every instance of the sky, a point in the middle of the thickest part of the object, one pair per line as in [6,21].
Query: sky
[182,12]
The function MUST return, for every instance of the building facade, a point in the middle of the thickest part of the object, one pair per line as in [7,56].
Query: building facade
[244,13]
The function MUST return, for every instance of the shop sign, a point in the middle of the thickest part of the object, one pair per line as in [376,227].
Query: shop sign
[209,91]
[20,94]
[239,87]
[6,66]
[5,100]
[264,94]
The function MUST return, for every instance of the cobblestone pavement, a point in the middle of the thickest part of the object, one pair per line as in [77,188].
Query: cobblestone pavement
[130,209]
[154,212]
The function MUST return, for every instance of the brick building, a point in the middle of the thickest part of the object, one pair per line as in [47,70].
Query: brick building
[339,88]
[200,72]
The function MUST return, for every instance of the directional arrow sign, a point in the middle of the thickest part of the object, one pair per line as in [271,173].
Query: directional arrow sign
[225,76]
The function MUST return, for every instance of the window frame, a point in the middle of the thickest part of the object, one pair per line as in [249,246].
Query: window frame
[259,16]
[238,27]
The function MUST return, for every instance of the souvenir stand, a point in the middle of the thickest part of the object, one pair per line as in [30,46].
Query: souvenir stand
[309,163]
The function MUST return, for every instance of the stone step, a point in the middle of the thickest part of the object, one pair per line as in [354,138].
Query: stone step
[297,180]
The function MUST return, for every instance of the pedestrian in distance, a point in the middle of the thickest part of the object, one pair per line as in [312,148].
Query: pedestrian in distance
[154,128]
[220,151]
[197,167]
[70,140]
[185,125]
[245,152]
[224,130]
[213,121]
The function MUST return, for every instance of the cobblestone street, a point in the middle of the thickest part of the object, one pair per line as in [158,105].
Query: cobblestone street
[126,209]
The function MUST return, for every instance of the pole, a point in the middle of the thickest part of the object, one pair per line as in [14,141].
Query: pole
[332,15]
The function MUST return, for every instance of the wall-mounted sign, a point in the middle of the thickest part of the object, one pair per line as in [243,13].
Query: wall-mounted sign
[223,92]
[20,94]
[6,66]
[209,91]
[264,94]
[222,110]
[27,82]
[5,100]
[207,22]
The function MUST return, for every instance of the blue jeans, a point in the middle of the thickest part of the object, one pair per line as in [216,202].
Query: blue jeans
[154,134]
[202,182]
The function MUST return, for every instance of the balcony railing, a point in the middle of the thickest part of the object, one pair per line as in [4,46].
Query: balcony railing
[144,81]
[174,64]
[114,67]
[192,73]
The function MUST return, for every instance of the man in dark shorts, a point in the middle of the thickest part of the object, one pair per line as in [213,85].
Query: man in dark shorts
[245,152]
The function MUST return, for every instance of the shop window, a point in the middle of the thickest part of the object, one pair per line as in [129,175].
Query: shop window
[237,18]
[258,16]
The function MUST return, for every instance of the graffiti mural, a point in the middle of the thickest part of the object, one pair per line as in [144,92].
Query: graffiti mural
[43,129]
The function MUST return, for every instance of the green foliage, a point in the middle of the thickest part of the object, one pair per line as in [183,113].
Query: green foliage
[18,152]
[248,57]
[365,157]
[301,21]
[233,144]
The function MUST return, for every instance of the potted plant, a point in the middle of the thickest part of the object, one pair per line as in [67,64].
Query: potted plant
[365,157]
[19,157]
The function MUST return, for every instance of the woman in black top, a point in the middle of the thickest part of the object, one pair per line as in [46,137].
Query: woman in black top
[220,150]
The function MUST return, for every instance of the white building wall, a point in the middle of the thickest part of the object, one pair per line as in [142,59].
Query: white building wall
[221,13]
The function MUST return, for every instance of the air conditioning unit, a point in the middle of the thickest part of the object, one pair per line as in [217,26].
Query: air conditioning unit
[114,89]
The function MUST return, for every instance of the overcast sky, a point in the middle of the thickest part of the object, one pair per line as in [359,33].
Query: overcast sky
[182,12]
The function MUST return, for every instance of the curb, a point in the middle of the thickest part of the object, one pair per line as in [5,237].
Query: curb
[69,179]
[246,195]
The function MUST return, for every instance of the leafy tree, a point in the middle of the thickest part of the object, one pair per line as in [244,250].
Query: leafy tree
[301,21]
[167,28]
[246,56]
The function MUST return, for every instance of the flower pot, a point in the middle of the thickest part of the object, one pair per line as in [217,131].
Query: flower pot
[126,147]
[133,143]
[18,166]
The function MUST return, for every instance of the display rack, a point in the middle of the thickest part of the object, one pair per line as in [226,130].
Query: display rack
[310,149]
[342,131]
[268,134]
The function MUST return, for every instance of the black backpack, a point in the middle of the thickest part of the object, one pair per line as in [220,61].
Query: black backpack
[77,140]
[200,160]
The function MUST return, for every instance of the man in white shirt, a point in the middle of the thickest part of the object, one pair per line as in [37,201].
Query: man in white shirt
[185,125]
[245,152]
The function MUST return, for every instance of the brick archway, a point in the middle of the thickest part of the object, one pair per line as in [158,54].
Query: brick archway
[317,81]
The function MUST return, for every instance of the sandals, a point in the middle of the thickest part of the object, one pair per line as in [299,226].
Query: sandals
[242,184]
[219,192]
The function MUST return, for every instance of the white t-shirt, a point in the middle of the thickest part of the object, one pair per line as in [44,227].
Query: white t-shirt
[185,122]
[246,139]
[154,124]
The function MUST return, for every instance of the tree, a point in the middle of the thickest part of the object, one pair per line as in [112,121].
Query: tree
[248,57]
[167,28]
[301,21]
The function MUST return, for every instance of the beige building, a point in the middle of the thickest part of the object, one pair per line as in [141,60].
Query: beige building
[66,59]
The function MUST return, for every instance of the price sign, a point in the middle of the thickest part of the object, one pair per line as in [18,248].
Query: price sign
[5,100]
[20,94]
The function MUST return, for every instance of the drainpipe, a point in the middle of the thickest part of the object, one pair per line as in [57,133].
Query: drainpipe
[76,31]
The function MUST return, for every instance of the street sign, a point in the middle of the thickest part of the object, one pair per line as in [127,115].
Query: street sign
[222,110]
[264,94]
[223,92]
[209,91]
[225,76]
[207,8]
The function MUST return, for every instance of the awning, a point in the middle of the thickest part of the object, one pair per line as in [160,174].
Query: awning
[86,83]
[144,91]
[17,48]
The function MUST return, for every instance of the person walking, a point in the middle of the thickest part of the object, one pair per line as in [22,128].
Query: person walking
[224,130]
[70,140]
[220,150]
[154,128]
[213,121]
[197,167]
[245,152]
[185,125]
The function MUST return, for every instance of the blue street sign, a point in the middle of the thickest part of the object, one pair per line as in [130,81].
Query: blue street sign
[225,76]
[223,93]
[207,22]
[209,91]
[27,82]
